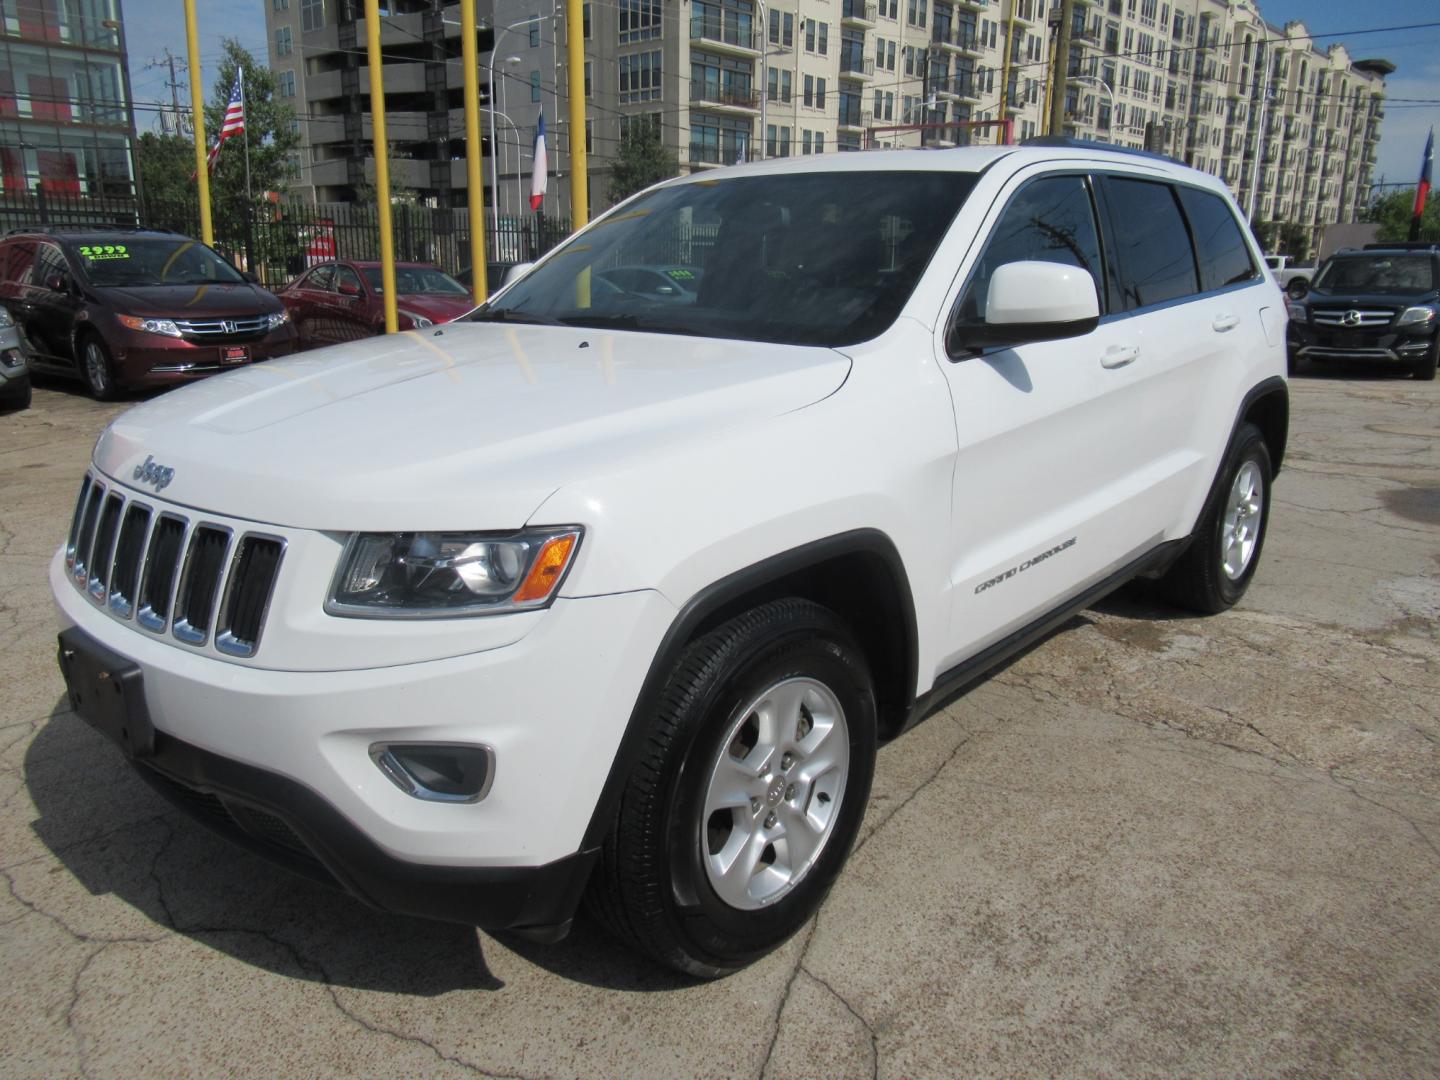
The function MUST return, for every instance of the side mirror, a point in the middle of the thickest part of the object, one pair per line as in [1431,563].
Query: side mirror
[57,283]
[1033,301]
[517,271]
[1297,288]
[348,288]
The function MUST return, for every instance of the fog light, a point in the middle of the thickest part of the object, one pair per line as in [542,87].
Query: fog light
[11,358]
[437,772]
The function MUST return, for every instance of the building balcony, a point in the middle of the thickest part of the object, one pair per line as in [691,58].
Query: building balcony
[960,87]
[857,67]
[856,119]
[725,35]
[959,39]
[858,13]
[723,99]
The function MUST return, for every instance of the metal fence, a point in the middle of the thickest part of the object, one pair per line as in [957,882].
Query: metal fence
[276,241]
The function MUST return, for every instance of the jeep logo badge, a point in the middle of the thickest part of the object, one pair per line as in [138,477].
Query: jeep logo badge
[1351,318]
[151,473]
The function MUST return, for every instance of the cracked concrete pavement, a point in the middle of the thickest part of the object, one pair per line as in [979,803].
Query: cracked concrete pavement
[1152,845]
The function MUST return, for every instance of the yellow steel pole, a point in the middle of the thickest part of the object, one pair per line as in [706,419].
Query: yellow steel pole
[473,150]
[197,109]
[579,168]
[382,164]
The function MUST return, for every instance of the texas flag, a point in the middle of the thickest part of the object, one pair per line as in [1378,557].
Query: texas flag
[538,177]
[1426,165]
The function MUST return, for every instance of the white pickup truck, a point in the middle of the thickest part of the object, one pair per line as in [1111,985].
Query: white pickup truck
[1286,274]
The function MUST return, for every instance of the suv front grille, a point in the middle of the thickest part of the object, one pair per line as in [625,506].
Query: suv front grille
[167,572]
[224,331]
[1365,317]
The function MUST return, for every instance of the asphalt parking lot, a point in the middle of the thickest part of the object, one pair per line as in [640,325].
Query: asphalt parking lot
[1153,845]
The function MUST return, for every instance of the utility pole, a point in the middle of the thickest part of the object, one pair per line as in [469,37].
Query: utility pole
[175,86]
[1060,72]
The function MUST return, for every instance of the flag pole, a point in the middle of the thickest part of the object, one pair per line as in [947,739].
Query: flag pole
[246,132]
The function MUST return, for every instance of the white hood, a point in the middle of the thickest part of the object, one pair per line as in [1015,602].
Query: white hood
[470,425]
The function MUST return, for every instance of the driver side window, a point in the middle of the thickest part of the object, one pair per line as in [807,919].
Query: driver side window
[345,276]
[1050,220]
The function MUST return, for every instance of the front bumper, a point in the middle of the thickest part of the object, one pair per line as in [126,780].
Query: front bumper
[293,746]
[1380,344]
[151,360]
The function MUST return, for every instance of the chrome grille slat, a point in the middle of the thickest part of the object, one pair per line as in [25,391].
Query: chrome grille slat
[1366,316]
[245,324]
[103,554]
[248,588]
[85,538]
[204,581]
[129,551]
[162,566]
[200,584]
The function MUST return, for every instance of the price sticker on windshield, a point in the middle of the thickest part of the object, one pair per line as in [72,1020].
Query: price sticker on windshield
[98,252]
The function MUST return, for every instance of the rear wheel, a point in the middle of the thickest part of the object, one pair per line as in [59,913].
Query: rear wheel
[96,368]
[1224,551]
[751,789]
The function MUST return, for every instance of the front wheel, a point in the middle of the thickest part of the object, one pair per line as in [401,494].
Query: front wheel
[749,795]
[1424,368]
[97,370]
[1224,550]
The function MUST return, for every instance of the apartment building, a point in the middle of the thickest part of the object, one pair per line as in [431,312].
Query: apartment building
[67,125]
[1291,127]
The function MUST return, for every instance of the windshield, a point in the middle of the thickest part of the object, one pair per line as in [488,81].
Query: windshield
[143,261]
[811,259]
[1379,274]
[415,281]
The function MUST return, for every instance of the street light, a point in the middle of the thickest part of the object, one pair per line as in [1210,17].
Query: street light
[1103,86]
[1260,140]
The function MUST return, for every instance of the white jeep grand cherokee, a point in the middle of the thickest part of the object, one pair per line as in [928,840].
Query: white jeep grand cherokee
[614,588]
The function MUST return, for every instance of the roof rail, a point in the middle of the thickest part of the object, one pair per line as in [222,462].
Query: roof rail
[18,230]
[1403,245]
[1068,143]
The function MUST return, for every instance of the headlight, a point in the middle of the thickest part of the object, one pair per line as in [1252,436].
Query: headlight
[417,322]
[1416,316]
[276,319]
[1298,312]
[5,320]
[433,575]
[150,326]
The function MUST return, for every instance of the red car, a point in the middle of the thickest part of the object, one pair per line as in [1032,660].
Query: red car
[342,301]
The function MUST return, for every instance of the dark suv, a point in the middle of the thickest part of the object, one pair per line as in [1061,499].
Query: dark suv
[1377,303]
[124,309]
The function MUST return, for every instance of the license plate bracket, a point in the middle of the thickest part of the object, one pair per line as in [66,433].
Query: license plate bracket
[106,691]
[234,354]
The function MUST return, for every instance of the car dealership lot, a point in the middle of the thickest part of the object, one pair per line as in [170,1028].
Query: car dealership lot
[1152,844]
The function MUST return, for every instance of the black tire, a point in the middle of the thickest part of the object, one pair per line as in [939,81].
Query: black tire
[1294,365]
[1199,580]
[1424,368]
[17,398]
[652,888]
[96,367]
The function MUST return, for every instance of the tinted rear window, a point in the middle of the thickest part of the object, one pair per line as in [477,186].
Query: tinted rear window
[1157,262]
[1224,256]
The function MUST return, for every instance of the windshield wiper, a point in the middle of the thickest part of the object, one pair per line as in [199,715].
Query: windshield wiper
[625,322]
[510,315]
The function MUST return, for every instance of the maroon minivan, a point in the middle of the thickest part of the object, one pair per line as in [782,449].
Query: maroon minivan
[132,308]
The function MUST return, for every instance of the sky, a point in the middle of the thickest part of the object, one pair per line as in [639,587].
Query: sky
[1413,92]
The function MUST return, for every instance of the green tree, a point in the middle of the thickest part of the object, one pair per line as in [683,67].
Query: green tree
[166,163]
[643,159]
[269,126]
[1392,213]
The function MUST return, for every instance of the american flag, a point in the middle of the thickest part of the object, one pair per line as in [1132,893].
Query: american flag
[234,117]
